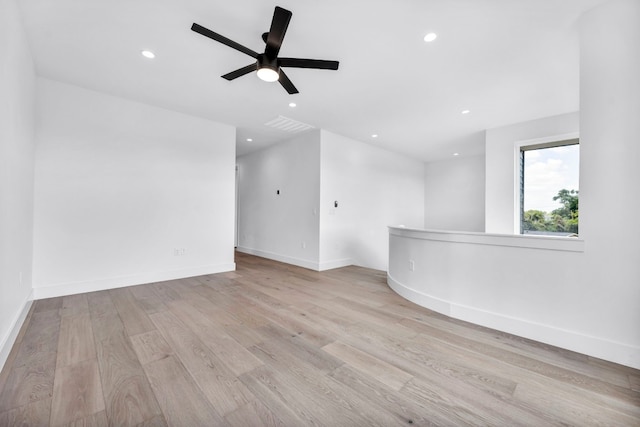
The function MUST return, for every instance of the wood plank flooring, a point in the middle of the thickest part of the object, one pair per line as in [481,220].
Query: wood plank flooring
[277,345]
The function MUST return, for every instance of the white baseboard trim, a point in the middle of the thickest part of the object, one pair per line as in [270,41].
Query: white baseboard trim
[311,265]
[336,263]
[10,337]
[602,348]
[63,289]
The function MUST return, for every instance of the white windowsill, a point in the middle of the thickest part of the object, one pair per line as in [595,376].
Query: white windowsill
[569,244]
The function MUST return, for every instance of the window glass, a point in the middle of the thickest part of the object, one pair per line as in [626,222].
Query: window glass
[549,188]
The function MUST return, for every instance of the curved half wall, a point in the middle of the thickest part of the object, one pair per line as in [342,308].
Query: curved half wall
[528,286]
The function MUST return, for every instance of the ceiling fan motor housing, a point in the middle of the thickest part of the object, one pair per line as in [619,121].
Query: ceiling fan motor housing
[265,62]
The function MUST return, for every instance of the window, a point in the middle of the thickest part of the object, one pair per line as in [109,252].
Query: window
[549,177]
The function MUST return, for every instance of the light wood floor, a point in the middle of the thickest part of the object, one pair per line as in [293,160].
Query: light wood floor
[272,344]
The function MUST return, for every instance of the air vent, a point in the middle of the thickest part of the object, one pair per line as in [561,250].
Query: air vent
[286,124]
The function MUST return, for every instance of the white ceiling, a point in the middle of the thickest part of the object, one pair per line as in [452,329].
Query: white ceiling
[505,60]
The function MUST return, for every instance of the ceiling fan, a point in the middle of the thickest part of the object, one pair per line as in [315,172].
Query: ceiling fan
[268,65]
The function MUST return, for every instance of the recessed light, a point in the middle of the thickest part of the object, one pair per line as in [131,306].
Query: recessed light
[249,140]
[148,54]
[292,104]
[430,37]
[456,154]
[465,111]
[375,135]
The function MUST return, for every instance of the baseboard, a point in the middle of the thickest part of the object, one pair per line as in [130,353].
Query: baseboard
[311,265]
[62,289]
[602,348]
[336,263]
[10,337]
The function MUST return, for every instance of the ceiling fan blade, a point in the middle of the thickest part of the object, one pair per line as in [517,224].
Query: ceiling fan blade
[308,63]
[279,24]
[222,39]
[286,83]
[241,72]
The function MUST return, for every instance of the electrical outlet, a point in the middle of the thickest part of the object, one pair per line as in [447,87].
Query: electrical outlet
[179,251]
[304,245]
[412,265]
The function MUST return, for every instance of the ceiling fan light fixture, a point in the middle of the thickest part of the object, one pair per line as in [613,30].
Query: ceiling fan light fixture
[268,69]
[268,74]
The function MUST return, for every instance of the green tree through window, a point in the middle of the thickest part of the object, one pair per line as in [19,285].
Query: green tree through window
[561,220]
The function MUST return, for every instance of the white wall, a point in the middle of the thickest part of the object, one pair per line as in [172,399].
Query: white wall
[609,172]
[374,188]
[17,112]
[454,194]
[501,165]
[283,227]
[120,185]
